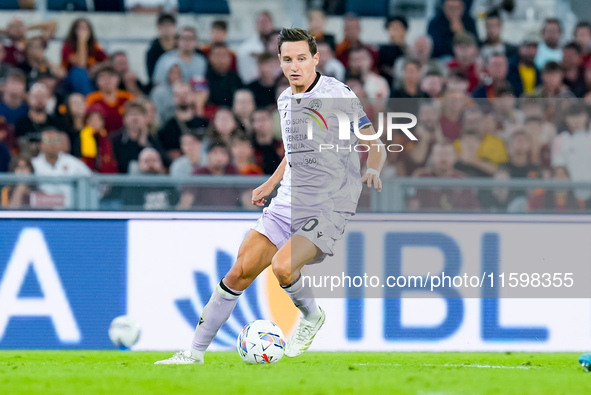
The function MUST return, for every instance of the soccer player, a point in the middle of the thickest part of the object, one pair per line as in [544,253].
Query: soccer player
[312,206]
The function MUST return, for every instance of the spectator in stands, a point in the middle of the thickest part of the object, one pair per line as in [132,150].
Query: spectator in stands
[552,83]
[128,80]
[5,68]
[352,40]
[166,41]
[317,25]
[147,6]
[52,161]
[218,164]
[219,34]
[493,43]
[421,52]
[452,19]
[81,53]
[468,162]
[73,115]
[582,36]
[573,69]
[163,96]
[496,77]
[191,147]
[549,49]
[149,197]
[523,74]
[361,65]
[432,84]
[411,77]
[457,80]
[192,63]
[222,81]
[497,199]
[109,97]
[224,127]
[243,107]
[452,105]
[36,63]
[533,108]
[505,110]
[572,149]
[263,88]
[252,47]
[443,158]
[327,63]
[492,148]
[268,151]
[397,27]
[184,119]
[428,132]
[14,42]
[4,158]
[29,128]
[555,200]
[19,196]
[130,140]
[243,154]
[519,164]
[540,154]
[151,115]
[466,58]
[92,145]
[56,96]
[13,106]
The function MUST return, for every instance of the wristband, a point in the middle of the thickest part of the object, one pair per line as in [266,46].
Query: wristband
[372,171]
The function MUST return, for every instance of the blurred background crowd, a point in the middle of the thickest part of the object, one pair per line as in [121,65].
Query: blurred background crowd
[486,107]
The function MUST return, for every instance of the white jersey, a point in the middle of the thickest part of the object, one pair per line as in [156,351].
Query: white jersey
[318,178]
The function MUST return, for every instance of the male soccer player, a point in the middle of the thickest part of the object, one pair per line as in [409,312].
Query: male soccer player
[319,191]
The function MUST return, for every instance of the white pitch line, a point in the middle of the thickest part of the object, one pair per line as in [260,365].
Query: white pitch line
[450,365]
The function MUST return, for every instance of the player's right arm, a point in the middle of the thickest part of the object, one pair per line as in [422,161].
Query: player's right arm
[260,193]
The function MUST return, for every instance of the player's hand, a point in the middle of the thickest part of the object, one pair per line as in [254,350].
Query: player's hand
[260,193]
[372,180]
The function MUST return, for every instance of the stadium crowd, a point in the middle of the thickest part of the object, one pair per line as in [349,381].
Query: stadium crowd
[485,107]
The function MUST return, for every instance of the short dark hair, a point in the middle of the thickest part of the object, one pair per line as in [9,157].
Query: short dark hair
[217,144]
[296,34]
[397,18]
[166,17]
[583,25]
[551,67]
[574,46]
[264,57]
[552,20]
[494,14]
[135,105]
[108,69]
[221,25]
[194,133]
[216,46]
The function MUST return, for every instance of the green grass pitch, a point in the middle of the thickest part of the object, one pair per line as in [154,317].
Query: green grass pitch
[112,372]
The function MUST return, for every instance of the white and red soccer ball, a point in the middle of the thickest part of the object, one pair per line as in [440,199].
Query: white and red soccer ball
[261,341]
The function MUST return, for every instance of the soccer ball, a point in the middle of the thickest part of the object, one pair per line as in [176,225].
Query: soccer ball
[261,341]
[124,332]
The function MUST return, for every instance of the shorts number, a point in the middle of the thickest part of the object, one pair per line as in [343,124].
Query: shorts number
[310,225]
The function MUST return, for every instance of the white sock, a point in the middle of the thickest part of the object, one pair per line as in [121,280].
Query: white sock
[214,315]
[303,299]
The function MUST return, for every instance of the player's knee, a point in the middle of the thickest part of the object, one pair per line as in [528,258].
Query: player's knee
[281,270]
[237,278]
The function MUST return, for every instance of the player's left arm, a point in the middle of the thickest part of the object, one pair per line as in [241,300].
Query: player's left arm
[375,160]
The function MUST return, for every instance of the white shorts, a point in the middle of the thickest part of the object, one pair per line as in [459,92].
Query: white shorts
[324,230]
